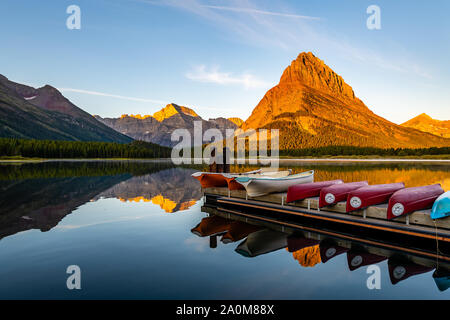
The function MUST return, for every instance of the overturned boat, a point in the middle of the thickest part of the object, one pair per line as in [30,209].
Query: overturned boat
[234,185]
[399,271]
[371,195]
[211,226]
[412,199]
[261,242]
[339,192]
[357,259]
[308,190]
[216,179]
[259,186]
[238,230]
[441,206]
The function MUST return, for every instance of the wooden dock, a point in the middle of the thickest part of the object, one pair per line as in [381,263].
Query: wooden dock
[416,224]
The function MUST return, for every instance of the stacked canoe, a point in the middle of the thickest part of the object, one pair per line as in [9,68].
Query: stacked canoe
[360,195]
[357,195]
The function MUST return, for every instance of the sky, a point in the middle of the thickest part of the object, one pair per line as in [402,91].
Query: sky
[220,57]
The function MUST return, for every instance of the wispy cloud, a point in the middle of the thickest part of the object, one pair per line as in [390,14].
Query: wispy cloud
[115,96]
[102,94]
[256,11]
[265,28]
[213,75]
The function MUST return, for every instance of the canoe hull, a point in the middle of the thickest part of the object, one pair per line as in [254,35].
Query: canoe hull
[308,190]
[399,271]
[216,179]
[371,195]
[211,226]
[409,200]
[336,193]
[262,242]
[211,180]
[441,207]
[238,230]
[357,259]
[234,185]
[256,187]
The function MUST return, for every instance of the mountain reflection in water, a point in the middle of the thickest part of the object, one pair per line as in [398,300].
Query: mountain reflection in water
[41,203]
[111,218]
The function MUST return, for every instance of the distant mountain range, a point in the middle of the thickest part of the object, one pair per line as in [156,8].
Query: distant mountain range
[44,113]
[157,128]
[425,123]
[313,106]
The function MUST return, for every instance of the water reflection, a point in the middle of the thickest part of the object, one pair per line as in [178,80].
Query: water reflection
[311,249]
[49,192]
[172,189]
[263,260]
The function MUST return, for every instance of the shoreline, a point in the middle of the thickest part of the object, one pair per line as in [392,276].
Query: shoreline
[41,160]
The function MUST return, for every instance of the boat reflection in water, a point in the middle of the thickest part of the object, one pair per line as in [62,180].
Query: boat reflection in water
[261,242]
[311,248]
[441,277]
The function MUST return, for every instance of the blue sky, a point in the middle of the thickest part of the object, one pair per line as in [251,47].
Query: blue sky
[220,57]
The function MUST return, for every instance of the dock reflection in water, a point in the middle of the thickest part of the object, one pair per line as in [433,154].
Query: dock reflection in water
[311,249]
[136,230]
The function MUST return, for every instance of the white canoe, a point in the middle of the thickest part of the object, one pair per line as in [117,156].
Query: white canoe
[217,179]
[259,186]
[261,242]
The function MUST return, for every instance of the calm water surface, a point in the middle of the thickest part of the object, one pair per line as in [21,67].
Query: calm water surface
[127,225]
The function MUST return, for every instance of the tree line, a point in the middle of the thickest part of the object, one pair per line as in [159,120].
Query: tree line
[363,151]
[12,147]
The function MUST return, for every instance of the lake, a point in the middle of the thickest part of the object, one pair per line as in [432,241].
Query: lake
[136,230]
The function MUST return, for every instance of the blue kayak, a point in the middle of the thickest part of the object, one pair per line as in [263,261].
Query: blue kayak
[441,207]
[442,279]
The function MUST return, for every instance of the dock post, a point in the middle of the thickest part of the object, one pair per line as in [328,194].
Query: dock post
[213,242]
[229,194]
[364,213]
[309,204]
[407,220]
[282,200]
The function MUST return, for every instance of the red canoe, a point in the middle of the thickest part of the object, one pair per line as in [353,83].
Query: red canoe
[412,199]
[330,250]
[356,259]
[371,195]
[238,230]
[210,226]
[399,271]
[338,192]
[308,190]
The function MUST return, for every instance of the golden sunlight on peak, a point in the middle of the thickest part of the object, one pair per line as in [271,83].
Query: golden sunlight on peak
[172,109]
[136,116]
[308,257]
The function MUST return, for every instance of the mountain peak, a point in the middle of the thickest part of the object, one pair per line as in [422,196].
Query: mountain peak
[423,116]
[237,121]
[172,109]
[425,123]
[310,71]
